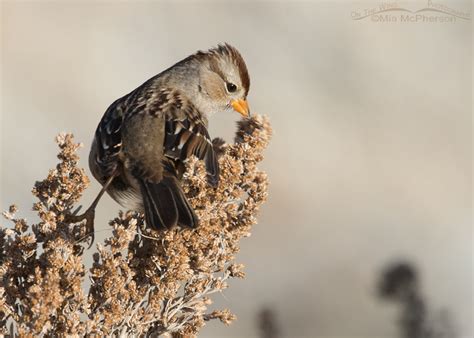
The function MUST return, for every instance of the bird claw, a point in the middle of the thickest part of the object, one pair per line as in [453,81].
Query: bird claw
[88,216]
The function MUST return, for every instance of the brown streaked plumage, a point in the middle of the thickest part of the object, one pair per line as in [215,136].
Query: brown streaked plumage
[145,137]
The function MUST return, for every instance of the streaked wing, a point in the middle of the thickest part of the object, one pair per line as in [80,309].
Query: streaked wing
[185,137]
[154,117]
[108,141]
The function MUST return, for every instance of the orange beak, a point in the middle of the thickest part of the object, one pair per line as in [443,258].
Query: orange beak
[241,107]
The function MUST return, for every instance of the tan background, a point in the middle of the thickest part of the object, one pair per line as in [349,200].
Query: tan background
[370,162]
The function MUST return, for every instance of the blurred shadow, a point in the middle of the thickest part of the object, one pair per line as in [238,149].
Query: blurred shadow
[399,283]
[268,324]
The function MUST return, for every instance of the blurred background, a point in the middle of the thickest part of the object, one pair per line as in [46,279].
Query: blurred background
[370,163]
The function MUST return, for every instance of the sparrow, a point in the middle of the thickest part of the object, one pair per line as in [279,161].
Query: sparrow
[144,138]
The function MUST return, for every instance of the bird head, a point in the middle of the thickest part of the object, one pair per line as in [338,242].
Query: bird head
[221,80]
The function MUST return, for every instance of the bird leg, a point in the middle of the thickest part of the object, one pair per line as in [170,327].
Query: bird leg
[89,214]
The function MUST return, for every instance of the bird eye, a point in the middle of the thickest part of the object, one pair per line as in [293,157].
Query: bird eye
[231,87]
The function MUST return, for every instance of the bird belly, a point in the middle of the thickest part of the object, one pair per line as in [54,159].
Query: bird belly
[130,199]
[127,194]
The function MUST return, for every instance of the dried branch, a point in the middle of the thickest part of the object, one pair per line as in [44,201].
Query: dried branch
[144,282]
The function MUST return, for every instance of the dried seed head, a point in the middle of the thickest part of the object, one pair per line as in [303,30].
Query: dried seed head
[143,282]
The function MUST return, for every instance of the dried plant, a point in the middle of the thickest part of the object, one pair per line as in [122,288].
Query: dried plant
[143,282]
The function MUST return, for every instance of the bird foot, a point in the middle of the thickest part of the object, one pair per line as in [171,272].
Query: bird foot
[88,216]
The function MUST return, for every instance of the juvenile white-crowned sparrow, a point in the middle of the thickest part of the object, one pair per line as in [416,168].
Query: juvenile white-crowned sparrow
[145,137]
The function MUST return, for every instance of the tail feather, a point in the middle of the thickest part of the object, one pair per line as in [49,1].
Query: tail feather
[186,215]
[165,205]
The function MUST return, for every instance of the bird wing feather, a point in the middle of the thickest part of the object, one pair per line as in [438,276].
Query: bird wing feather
[107,143]
[187,137]
[170,119]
